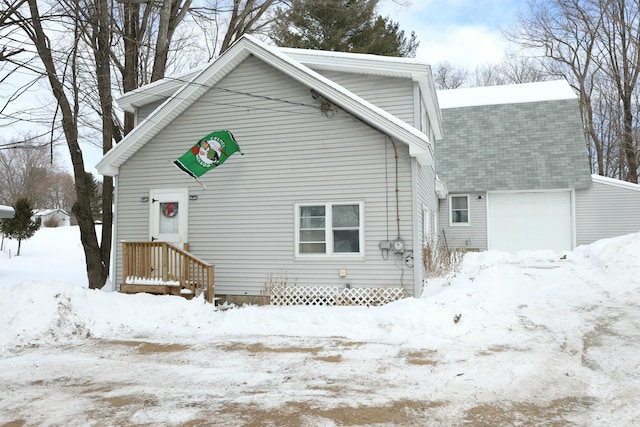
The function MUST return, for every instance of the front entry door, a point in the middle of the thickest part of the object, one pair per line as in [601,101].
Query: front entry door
[168,213]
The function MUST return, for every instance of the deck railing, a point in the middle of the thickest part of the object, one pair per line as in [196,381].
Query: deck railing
[161,263]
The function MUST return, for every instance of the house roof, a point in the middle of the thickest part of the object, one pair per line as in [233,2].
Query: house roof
[181,95]
[506,94]
[615,182]
[513,141]
[365,64]
[6,212]
[43,212]
[157,91]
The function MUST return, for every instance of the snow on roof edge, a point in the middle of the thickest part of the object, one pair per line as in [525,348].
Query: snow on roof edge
[400,60]
[615,182]
[506,94]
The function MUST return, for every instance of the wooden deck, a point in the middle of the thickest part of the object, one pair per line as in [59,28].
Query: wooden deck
[127,288]
[163,269]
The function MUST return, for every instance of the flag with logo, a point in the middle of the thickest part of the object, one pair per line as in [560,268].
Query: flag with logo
[211,151]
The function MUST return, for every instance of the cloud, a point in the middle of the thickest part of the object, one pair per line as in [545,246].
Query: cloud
[462,46]
[465,33]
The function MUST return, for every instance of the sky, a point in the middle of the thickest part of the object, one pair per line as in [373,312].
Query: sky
[466,33]
[528,338]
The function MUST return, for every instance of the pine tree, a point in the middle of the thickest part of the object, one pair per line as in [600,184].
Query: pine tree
[21,226]
[340,25]
[95,195]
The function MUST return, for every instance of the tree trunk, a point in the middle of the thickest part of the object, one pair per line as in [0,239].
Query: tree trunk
[103,68]
[162,42]
[627,143]
[96,270]
[130,71]
[172,13]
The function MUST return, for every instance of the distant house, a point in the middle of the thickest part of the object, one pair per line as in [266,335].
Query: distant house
[338,184]
[52,217]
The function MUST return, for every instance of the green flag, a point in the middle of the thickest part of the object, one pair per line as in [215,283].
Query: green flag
[209,152]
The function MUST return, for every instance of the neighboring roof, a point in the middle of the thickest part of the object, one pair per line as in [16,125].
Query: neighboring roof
[506,94]
[419,144]
[514,146]
[615,182]
[44,212]
[6,212]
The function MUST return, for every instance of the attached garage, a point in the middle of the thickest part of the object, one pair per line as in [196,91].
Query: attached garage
[530,220]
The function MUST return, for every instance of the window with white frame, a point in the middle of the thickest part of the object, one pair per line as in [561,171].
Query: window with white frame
[459,210]
[329,229]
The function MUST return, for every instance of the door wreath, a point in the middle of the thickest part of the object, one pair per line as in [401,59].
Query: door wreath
[170,209]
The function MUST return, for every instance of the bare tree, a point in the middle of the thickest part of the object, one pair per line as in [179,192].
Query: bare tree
[60,192]
[26,171]
[65,90]
[621,64]
[488,75]
[446,76]
[522,69]
[120,34]
[513,69]
[595,45]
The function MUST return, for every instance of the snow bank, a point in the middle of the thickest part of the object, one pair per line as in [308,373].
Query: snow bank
[496,298]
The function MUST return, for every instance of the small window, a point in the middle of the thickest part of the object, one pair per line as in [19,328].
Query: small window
[459,210]
[327,229]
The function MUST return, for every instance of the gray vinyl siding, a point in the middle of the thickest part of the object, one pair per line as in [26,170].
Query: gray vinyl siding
[472,236]
[605,211]
[394,95]
[144,111]
[426,200]
[293,153]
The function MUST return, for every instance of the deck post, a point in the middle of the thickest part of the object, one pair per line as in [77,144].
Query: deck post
[125,261]
[210,284]
[165,260]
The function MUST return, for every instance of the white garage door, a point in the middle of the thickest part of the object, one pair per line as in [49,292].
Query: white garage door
[530,221]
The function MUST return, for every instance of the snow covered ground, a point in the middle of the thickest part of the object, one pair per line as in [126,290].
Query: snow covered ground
[542,339]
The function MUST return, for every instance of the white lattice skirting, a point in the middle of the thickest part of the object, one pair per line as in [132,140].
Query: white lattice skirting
[325,295]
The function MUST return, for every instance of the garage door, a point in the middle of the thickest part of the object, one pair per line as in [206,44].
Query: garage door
[530,221]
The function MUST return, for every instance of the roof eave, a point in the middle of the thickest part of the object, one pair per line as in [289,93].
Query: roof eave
[431,101]
[153,92]
[361,63]
[110,164]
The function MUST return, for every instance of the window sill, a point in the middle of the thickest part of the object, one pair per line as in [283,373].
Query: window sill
[320,257]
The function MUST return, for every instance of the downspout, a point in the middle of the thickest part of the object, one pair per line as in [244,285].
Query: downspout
[395,151]
[114,240]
